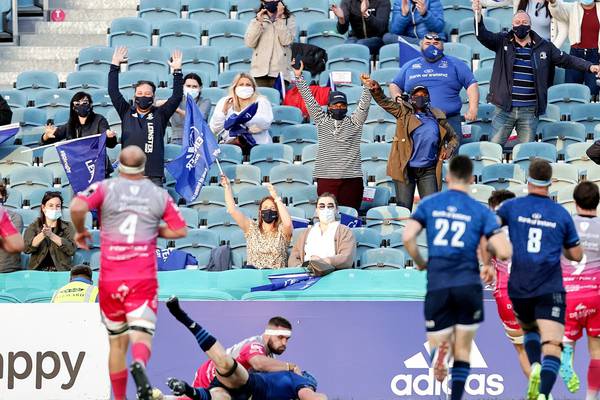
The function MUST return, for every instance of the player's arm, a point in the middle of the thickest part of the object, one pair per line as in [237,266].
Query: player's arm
[13,243]
[409,237]
[79,208]
[574,253]
[571,247]
[175,227]
[487,272]
[499,245]
[267,364]
[165,232]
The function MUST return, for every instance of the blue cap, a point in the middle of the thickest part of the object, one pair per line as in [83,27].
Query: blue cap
[336,97]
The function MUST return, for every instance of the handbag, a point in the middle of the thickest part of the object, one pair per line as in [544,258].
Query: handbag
[318,268]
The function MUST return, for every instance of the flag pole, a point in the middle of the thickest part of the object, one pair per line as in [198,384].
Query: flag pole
[60,143]
[477,23]
[219,165]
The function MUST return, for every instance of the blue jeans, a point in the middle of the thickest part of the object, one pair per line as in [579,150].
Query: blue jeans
[521,118]
[390,38]
[454,122]
[589,79]
[373,43]
[423,178]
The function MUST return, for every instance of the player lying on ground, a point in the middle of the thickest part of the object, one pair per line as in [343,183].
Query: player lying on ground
[234,382]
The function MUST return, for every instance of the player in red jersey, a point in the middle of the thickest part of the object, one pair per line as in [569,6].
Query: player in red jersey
[505,309]
[130,208]
[582,284]
[11,240]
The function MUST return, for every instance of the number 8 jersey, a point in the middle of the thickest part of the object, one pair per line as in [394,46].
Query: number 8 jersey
[454,223]
[130,212]
[539,229]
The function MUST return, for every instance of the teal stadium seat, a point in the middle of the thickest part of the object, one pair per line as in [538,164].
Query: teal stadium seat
[524,153]
[266,156]
[158,11]
[306,12]
[14,98]
[149,59]
[206,12]
[323,33]
[348,55]
[179,34]
[387,219]
[87,80]
[31,82]
[382,259]
[130,32]
[286,177]
[568,95]
[298,136]
[53,100]
[226,35]
[96,58]
[283,117]
[481,154]
[239,58]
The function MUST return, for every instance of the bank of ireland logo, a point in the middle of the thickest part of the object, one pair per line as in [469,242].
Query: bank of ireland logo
[423,383]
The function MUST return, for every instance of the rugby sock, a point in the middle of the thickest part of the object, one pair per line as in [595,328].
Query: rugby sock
[140,352]
[593,376]
[550,367]
[205,340]
[460,373]
[118,381]
[533,347]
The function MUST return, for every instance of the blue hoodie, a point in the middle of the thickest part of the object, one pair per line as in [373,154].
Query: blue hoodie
[416,25]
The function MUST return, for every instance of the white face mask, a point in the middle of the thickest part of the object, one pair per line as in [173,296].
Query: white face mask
[244,92]
[326,215]
[53,214]
[192,92]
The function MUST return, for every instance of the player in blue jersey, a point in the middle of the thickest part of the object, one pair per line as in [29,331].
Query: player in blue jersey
[540,230]
[233,382]
[456,225]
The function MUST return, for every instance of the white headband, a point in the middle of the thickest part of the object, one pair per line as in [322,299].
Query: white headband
[278,332]
[131,170]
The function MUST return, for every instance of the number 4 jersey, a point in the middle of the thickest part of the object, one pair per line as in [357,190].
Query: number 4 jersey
[584,276]
[455,224]
[130,212]
[539,229]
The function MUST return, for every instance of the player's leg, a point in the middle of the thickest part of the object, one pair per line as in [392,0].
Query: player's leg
[552,334]
[525,312]
[566,370]
[439,322]
[229,372]
[309,394]
[512,328]
[573,332]
[593,376]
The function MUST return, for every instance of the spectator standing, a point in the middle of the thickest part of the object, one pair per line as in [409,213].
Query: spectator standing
[423,140]
[192,85]
[270,36]
[368,20]
[10,261]
[268,238]
[144,125]
[338,164]
[327,240]
[412,19]
[5,112]
[519,94]
[80,288]
[83,121]
[444,76]
[49,239]
[583,19]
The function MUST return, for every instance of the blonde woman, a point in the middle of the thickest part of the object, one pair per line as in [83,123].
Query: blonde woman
[242,93]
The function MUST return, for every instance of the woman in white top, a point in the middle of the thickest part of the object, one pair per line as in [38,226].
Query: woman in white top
[242,93]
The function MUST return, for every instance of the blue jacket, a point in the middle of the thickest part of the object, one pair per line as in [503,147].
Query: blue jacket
[416,25]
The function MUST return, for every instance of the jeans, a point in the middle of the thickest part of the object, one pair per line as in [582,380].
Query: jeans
[589,79]
[373,43]
[390,38]
[454,122]
[423,178]
[521,118]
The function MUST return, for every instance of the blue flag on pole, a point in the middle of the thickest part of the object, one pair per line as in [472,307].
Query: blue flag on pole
[84,160]
[406,52]
[235,124]
[199,151]
[8,132]
[279,85]
[350,221]
[300,222]
[293,281]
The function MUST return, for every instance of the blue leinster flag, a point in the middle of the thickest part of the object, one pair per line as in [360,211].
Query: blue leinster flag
[83,160]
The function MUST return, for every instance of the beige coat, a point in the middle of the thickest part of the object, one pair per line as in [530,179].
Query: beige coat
[345,249]
[571,14]
[271,43]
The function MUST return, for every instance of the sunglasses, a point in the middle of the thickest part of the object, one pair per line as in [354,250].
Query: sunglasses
[328,205]
[433,37]
[80,102]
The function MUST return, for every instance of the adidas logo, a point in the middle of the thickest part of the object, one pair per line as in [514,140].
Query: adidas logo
[426,385]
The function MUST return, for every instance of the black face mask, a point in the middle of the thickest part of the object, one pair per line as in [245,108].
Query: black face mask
[144,102]
[271,6]
[420,102]
[269,216]
[338,114]
[521,31]
[83,110]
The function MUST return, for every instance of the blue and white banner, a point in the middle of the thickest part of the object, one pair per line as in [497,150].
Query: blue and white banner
[8,131]
[350,221]
[300,222]
[294,281]
[406,52]
[84,160]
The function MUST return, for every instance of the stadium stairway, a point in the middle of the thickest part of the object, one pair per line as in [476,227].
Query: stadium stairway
[54,46]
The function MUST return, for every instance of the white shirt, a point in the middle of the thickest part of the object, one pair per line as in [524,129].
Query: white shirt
[321,244]
[261,121]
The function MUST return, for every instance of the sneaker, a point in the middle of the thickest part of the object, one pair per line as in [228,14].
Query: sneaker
[440,362]
[567,373]
[543,397]
[144,389]
[533,390]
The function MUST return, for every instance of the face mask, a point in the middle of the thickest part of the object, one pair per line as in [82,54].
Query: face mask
[326,215]
[432,53]
[53,214]
[271,6]
[83,110]
[192,92]
[269,216]
[587,2]
[420,102]
[144,102]
[521,31]
[338,114]
[244,92]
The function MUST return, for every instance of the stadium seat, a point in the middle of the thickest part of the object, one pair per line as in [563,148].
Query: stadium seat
[389,56]
[296,212]
[471,134]
[486,58]
[214,94]
[13,157]
[243,176]
[385,76]
[130,32]
[247,9]
[355,56]
[348,211]
[382,179]
[286,177]
[14,199]
[502,14]
[249,198]
[198,238]
[230,154]
[266,156]
[128,79]
[575,154]
[191,217]
[61,115]
[28,216]
[564,197]
[298,137]
[373,155]
[225,79]
[592,174]
[304,198]
[237,243]
[482,154]
[466,27]
[324,34]
[460,51]
[563,176]
[483,76]
[101,101]
[210,198]
[179,34]
[203,58]
[283,117]
[586,114]
[366,238]
[27,179]
[226,35]
[378,115]
[381,259]
[158,11]
[562,134]
[271,94]
[551,116]
[381,198]
[172,151]
[485,113]
[309,155]
[97,58]
[35,196]
[306,12]
[221,222]
[31,120]
[568,95]
[524,153]
[150,59]
[53,100]
[352,93]
[502,176]
[31,82]
[383,218]
[481,193]
[86,80]
[325,76]
[239,59]
[14,98]
[206,12]
[455,12]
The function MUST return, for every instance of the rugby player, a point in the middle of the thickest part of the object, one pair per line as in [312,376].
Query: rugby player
[455,224]
[131,208]
[540,230]
[582,282]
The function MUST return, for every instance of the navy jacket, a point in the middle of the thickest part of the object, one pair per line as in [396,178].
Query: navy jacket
[544,55]
[146,132]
